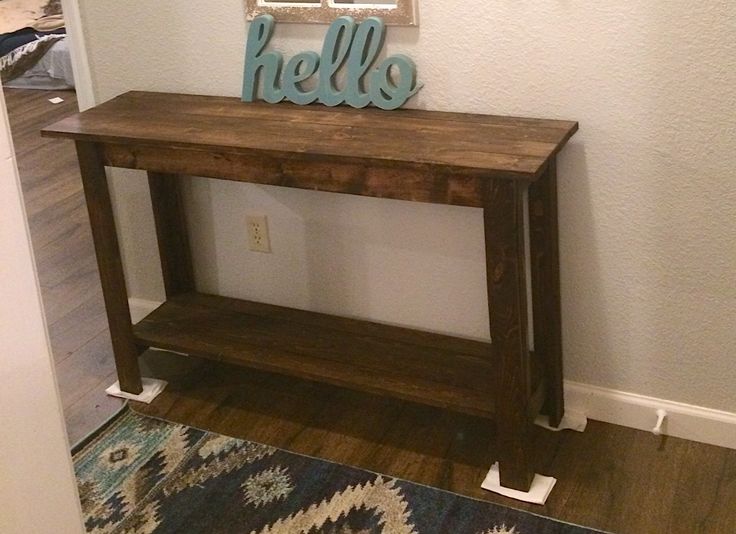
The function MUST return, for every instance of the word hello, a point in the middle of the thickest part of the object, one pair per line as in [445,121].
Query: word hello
[389,87]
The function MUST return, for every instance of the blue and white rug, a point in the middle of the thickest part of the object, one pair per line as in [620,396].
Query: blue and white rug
[144,475]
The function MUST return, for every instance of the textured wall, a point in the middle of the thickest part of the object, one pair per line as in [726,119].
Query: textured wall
[647,187]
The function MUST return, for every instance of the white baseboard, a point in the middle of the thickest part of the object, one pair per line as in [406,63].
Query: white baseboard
[685,421]
[611,406]
[139,308]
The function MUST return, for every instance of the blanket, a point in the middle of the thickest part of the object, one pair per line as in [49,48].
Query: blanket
[17,14]
[24,57]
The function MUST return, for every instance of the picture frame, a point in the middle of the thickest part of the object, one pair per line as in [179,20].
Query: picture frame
[400,13]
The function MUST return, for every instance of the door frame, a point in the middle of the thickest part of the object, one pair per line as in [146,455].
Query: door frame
[78,49]
[38,490]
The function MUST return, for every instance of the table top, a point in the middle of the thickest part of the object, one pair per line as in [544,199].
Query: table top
[518,147]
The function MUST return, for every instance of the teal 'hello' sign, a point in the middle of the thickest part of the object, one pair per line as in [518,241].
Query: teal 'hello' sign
[389,86]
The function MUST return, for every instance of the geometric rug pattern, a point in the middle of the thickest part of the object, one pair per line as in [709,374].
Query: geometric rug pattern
[143,475]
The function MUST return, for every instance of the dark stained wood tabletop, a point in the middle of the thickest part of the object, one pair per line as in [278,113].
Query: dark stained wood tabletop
[512,146]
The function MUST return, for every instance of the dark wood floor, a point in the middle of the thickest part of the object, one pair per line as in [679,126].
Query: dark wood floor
[610,477]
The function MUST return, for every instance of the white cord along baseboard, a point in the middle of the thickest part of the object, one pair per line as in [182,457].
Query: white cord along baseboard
[680,420]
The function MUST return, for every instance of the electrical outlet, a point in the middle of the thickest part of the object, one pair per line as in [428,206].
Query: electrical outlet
[258,239]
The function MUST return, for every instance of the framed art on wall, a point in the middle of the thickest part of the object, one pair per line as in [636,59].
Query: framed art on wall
[393,12]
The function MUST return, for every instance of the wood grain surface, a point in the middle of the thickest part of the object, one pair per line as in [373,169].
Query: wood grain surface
[507,301]
[172,233]
[423,367]
[545,278]
[109,262]
[65,259]
[514,147]
[472,160]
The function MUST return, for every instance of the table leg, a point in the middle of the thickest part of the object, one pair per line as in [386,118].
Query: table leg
[104,235]
[172,234]
[504,234]
[545,268]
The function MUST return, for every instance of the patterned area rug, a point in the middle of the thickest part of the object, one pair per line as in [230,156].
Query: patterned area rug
[143,475]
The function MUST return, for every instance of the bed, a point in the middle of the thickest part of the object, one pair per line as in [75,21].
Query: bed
[34,49]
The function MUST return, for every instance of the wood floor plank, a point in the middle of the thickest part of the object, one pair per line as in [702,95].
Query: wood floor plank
[90,411]
[46,226]
[59,260]
[86,369]
[62,246]
[343,429]
[66,296]
[705,493]
[77,327]
[49,186]
[419,454]
[29,111]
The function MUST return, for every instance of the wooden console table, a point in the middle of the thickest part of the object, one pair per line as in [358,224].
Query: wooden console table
[446,158]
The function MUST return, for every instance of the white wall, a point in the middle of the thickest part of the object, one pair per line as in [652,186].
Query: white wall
[647,189]
[37,487]
[78,47]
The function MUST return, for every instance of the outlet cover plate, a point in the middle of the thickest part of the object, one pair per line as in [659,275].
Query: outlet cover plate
[258,238]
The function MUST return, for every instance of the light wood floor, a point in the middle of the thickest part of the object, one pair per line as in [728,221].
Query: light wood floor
[610,477]
[62,246]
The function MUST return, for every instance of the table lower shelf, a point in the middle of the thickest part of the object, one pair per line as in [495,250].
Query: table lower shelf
[429,368]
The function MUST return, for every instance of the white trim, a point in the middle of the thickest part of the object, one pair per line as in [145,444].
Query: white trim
[35,465]
[78,50]
[612,406]
[685,421]
[139,308]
